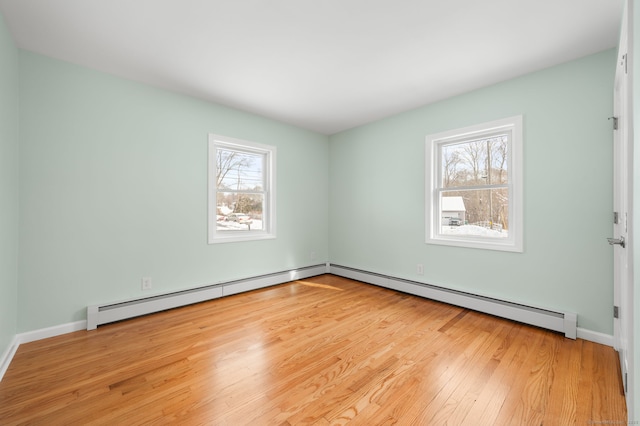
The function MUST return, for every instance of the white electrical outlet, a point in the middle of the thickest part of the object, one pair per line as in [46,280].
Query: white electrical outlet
[420,269]
[313,255]
[147,284]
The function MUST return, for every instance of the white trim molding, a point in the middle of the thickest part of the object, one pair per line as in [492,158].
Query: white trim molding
[7,356]
[56,330]
[596,337]
[32,336]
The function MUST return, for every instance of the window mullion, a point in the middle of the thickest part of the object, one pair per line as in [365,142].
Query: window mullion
[243,191]
[473,188]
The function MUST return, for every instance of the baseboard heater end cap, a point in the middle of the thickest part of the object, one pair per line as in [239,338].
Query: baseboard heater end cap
[570,325]
[92,317]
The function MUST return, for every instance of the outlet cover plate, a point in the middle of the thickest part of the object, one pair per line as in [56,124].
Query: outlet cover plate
[147,284]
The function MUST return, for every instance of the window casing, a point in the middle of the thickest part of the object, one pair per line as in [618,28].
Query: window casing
[242,182]
[474,186]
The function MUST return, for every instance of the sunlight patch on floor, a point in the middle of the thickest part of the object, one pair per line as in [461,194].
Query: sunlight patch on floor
[310,284]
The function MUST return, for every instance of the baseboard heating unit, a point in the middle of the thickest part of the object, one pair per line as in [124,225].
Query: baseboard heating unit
[112,312]
[564,322]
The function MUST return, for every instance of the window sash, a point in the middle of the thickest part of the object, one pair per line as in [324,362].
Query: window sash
[480,136]
[440,179]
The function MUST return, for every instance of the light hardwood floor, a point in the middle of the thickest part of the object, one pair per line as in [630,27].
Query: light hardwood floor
[322,351]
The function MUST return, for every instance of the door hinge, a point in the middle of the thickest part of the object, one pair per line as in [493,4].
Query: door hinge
[616,312]
[615,122]
[616,218]
[624,59]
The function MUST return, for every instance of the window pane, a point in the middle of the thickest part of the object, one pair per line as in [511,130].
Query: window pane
[239,211]
[477,162]
[479,212]
[239,171]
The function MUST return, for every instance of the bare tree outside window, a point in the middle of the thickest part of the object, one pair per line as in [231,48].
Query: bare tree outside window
[240,190]
[476,170]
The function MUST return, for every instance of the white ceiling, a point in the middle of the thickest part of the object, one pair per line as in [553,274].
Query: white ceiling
[324,65]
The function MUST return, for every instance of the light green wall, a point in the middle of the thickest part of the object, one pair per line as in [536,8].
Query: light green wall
[113,187]
[377,193]
[635,340]
[8,187]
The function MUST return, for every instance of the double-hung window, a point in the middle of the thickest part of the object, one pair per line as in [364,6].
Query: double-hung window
[241,190]
[474,186]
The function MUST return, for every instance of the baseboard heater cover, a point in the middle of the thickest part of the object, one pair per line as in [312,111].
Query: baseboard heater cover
[112,312]
[564,322]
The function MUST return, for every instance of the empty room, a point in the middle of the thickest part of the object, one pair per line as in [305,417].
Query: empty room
[333,212]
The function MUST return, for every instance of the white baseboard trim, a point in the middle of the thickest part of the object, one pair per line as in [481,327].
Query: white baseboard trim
[56,330]
[7,356]
[596,337]
[32,336]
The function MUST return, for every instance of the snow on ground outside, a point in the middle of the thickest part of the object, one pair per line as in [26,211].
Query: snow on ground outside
[474,230]
[223,225]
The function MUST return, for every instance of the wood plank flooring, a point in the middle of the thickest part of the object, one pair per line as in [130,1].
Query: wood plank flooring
[321,351]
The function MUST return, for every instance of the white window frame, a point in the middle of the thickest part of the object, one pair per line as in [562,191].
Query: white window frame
[433,186]
[269,207]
